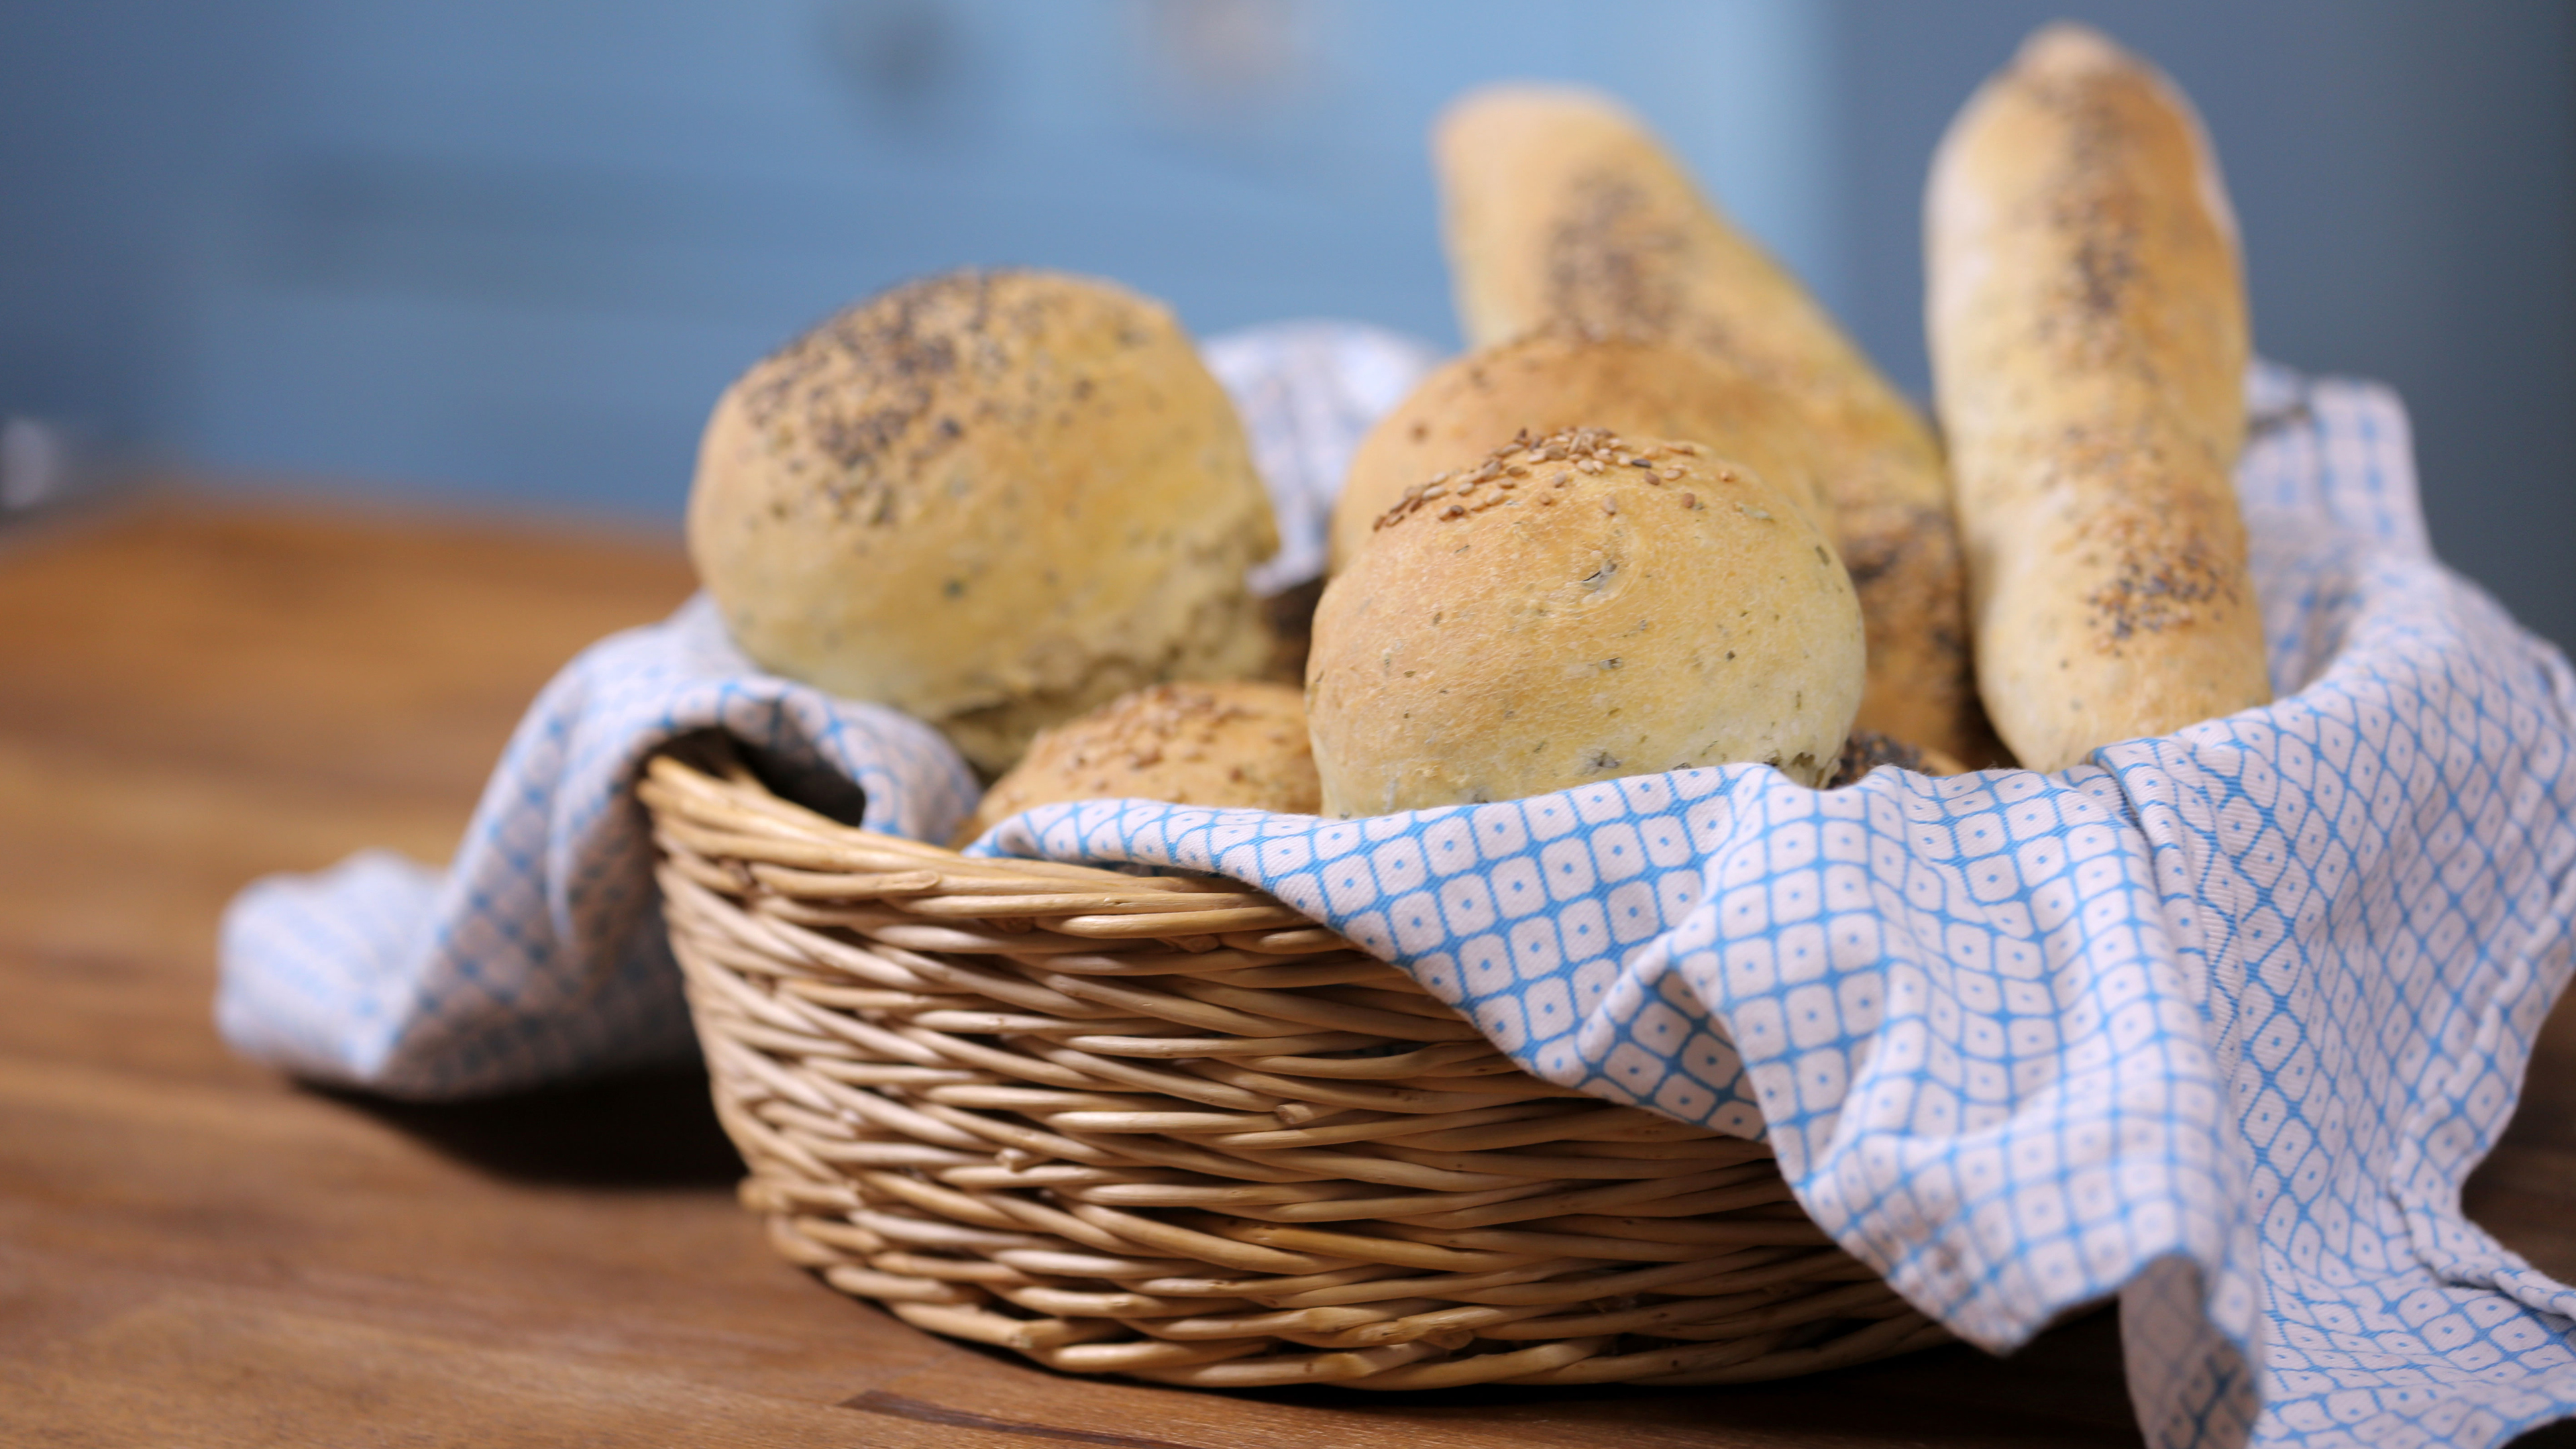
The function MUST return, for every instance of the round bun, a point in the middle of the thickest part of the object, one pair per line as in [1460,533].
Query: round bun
[990,499]
[1235,744]
[1576,608]
[1561,378]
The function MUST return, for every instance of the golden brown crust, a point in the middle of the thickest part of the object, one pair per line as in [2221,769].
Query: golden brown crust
[1573,609]
[1562,208]
[991,499]
[2087,318]
[1236,744]
[1559,378]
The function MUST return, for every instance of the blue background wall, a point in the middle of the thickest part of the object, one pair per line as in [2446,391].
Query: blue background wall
[508,250]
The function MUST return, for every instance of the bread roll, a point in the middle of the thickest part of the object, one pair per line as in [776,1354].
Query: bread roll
[1574,609]
[1238,744]
[1561,207]
[2088,331]
[1559,378]
[990,499]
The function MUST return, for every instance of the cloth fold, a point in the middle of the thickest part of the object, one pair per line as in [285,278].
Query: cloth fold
[540,956]
[2217,1022]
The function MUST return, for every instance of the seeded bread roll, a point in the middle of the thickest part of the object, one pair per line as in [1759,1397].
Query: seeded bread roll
[1559,378]
[1239,744]
[1562,208]
[1577,609]
[989,499]
[2087,316]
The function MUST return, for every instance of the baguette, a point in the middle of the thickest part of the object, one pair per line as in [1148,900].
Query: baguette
[2087,316]
[1560,208]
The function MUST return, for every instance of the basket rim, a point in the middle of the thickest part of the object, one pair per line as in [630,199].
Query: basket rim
[720,779]
[704,796]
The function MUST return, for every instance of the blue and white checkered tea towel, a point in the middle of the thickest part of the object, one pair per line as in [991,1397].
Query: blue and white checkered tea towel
[2217,1022]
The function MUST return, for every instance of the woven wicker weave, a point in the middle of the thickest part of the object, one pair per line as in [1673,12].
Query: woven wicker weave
[1168,1128]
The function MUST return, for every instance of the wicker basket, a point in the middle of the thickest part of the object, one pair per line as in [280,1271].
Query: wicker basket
[1169,1128]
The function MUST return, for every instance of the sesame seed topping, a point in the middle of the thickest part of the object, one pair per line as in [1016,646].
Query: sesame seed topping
[1590,451]
[1610,505]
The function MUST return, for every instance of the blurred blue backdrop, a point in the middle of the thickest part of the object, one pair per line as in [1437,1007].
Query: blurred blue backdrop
[509,250]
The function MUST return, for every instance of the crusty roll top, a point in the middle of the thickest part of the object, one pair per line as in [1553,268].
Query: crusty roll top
[1563,377]
[1231,744]
[991,499]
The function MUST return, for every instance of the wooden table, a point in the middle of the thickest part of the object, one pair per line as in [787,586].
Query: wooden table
[194,1250]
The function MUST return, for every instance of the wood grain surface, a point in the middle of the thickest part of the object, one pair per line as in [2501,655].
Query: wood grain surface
[194,1250]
